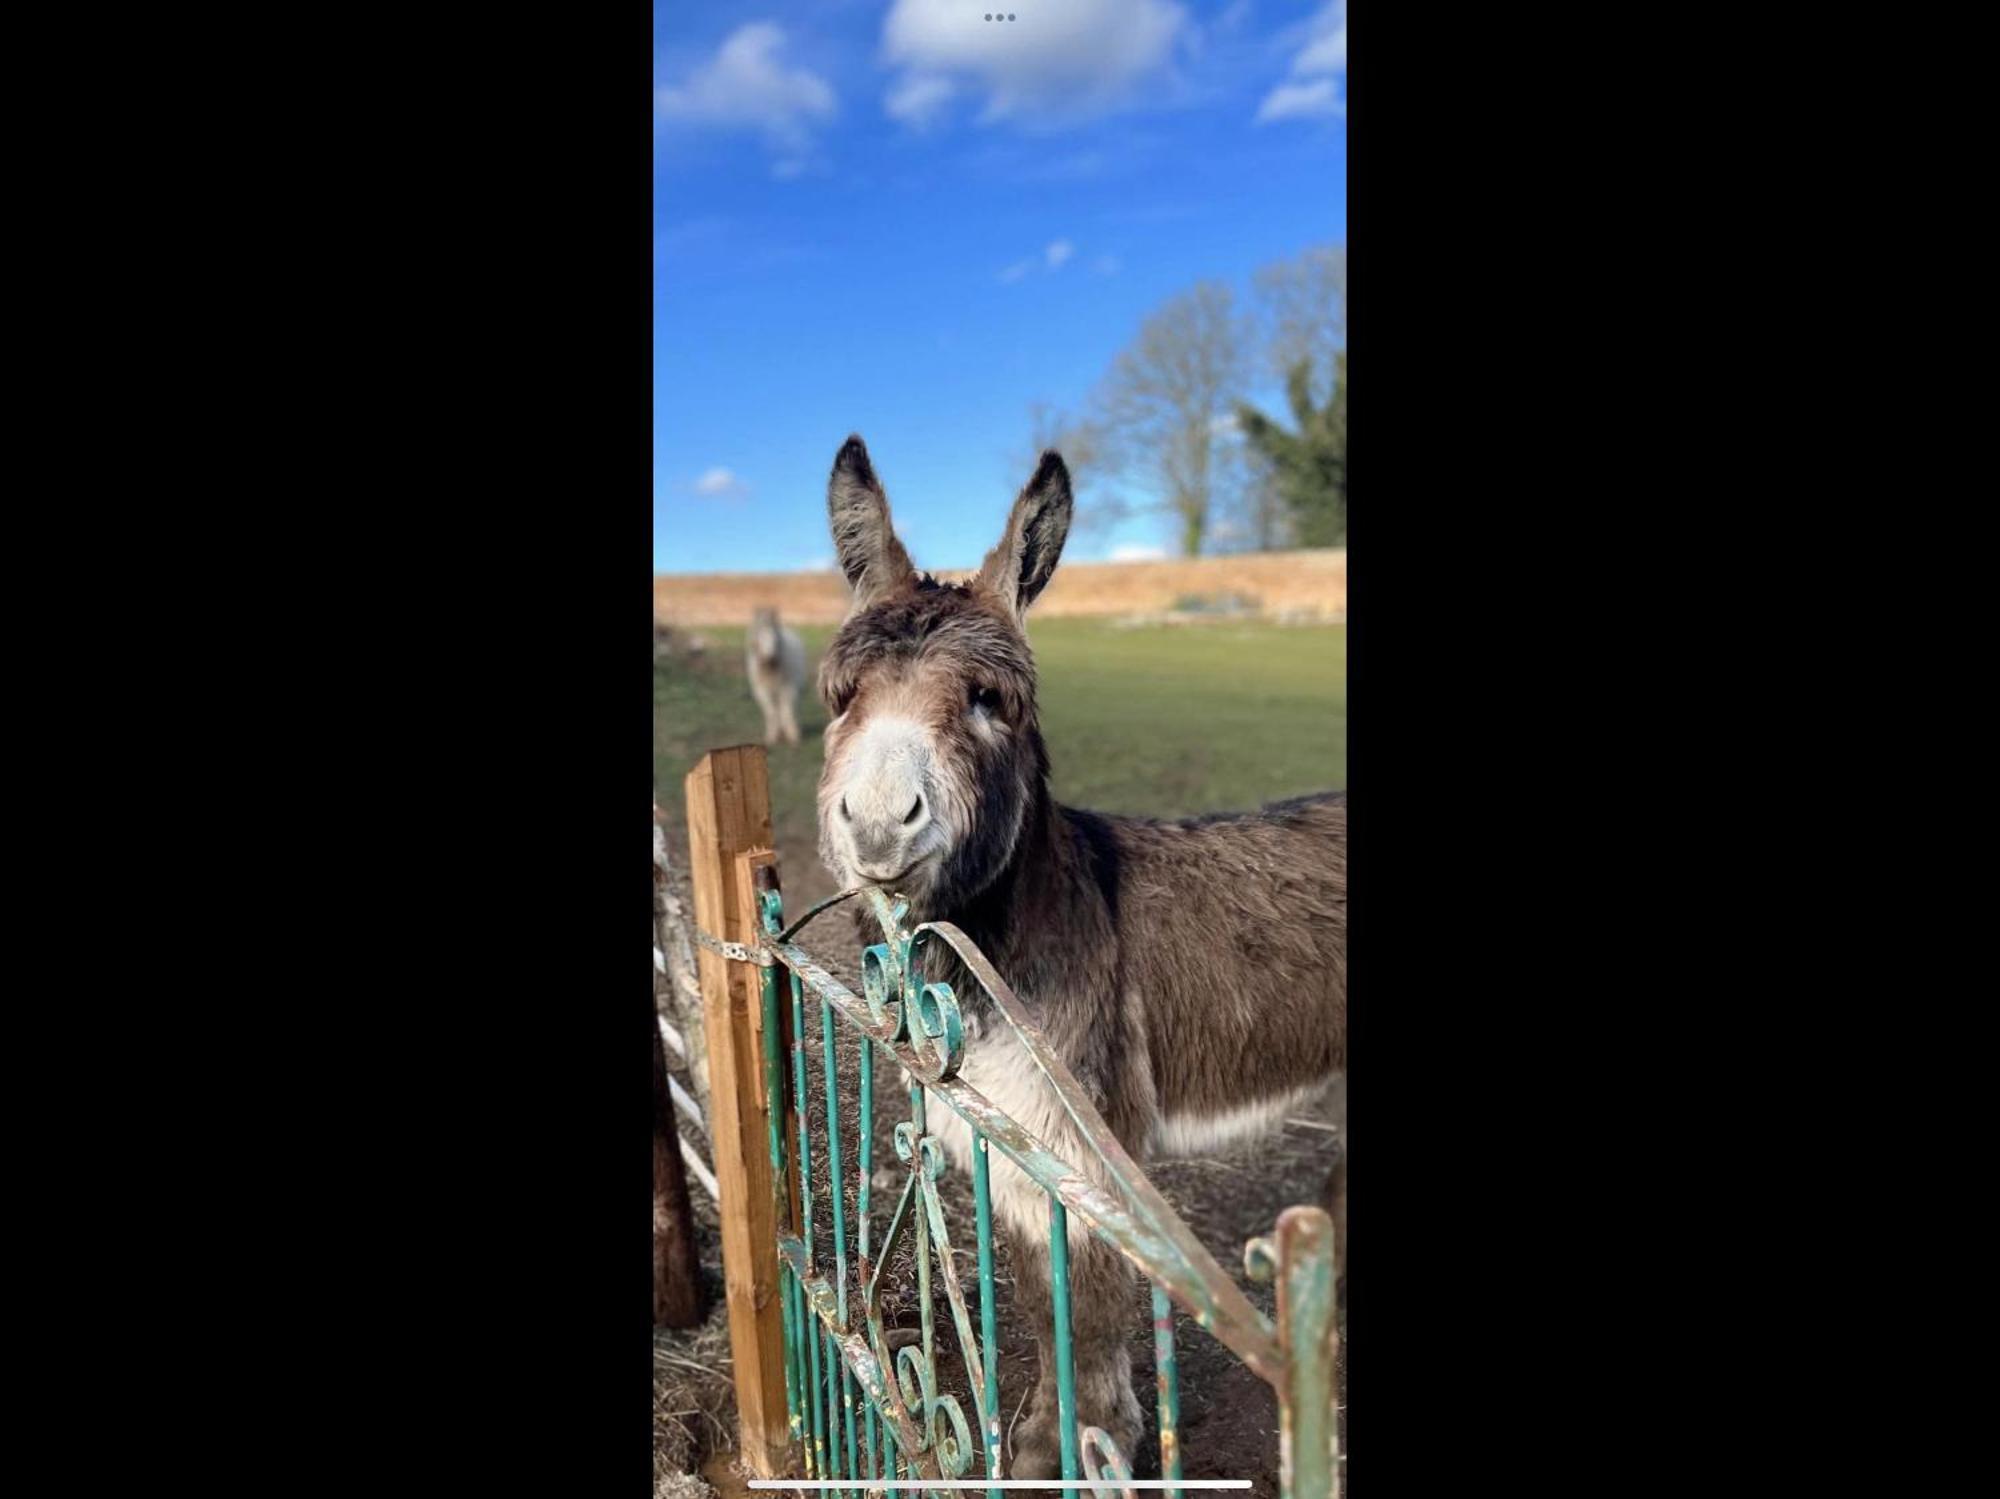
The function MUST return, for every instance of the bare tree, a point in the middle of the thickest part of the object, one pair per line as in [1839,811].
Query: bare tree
[1086,448]
[1168,396]
[1080,439]
[1302,315]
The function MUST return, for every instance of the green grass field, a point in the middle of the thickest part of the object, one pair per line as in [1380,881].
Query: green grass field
[1162,721]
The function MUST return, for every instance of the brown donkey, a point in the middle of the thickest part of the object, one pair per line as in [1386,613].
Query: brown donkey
[1192,974]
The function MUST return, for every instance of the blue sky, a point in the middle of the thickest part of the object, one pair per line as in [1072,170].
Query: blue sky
[895,218]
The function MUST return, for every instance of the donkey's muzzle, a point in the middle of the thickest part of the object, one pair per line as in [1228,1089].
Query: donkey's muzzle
[884,834]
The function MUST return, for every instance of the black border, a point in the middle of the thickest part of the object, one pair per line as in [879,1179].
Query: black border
[445,260]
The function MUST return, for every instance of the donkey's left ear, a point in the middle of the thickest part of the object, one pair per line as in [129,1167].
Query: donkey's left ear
[1019,568]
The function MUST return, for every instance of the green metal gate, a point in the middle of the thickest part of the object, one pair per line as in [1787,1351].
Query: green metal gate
[859,1410]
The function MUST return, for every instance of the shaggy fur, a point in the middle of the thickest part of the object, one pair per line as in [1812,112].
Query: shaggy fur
[1191,974]
[776,660]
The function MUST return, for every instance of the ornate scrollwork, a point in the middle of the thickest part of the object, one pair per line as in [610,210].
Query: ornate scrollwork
[954,1447]
[918,1386]
[910,1146]
[943,1030]
[1103,1464]
[882,988]
[941,1424]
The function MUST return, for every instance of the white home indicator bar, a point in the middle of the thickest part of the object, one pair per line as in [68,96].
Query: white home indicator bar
[1114,1484]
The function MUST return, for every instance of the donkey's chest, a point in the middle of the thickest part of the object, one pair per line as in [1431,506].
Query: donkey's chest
[999,1069]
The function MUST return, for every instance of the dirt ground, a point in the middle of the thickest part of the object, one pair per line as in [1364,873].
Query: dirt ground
[1229,1417]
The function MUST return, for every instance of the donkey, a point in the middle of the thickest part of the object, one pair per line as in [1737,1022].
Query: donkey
[1191,974]
[776,660]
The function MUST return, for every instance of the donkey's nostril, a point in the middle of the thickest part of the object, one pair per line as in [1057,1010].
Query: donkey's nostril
[916,808]
[843,810]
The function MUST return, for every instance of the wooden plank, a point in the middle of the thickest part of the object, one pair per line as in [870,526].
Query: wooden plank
[683,990]
[729,813]
[677,1298]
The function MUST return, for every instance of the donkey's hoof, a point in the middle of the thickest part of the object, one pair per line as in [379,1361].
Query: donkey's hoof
[1037,1446]
[1036,1459]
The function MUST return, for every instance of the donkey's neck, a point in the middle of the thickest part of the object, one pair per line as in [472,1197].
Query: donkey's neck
[1051,886]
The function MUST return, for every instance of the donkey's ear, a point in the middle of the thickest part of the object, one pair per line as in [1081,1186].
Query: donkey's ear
[858,512]
[1019,568]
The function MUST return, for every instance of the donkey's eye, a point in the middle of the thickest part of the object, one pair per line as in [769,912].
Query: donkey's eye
[984,697]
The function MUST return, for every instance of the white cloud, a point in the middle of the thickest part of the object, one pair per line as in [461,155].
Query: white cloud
[1068,61]
[817,565]
[1138,551]
[1317,86]
[746,86]
[917,99]
[1298,101]
[720,483]
[1052,259]
[1327,52]
[1107,265]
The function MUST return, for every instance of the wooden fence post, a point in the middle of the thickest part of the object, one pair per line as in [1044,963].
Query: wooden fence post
[677,1298]
[729,814]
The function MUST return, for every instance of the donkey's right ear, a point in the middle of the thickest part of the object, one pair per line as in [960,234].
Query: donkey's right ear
[858,512]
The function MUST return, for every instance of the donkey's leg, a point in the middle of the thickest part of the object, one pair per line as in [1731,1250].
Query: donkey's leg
[764,706]
[1103,1294]
[1103,1310]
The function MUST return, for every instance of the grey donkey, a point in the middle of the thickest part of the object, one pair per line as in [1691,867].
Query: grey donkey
[1192,974]
[776,661]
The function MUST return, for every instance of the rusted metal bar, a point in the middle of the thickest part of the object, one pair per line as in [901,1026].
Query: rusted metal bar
[1299,1257]
[855,1352]
[982,1207]
[863,1262]
[765,879]
[1167,1371]
[1167,1253]
[1065,1354]
[809,1354]
[968,1343]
